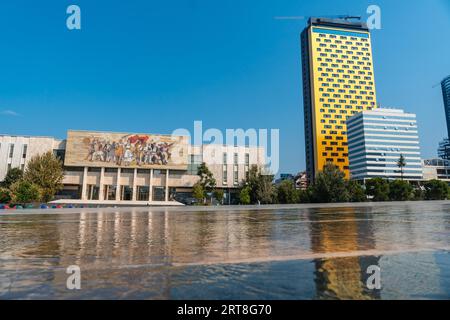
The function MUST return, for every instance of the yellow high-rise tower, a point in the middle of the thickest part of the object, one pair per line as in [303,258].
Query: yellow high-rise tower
[338,81]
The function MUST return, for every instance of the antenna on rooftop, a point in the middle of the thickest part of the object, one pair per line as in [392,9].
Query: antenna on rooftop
[345,17]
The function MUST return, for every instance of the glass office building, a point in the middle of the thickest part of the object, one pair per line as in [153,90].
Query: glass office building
[377,139]
[444,146]
[444,149]
[446,94]
[338,82]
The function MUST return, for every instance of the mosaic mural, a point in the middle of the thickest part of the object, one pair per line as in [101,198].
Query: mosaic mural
[105,149]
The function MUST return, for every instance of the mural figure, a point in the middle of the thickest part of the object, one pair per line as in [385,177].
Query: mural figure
[130,150]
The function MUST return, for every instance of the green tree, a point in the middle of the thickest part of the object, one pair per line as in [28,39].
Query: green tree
[252,182]
[287,193]
[265,191]
[400,190]
[206,179]
[5,195]
[377,189]
[304,196]
[13,175]
[356,191]
[244,195]
[46,172]
[198,193]
[260,186]
[218,194]
[419,194]
[436,190]
[25,192]
[401,163]
[330,185]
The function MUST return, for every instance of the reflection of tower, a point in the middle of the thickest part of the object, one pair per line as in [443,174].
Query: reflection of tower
[342,278]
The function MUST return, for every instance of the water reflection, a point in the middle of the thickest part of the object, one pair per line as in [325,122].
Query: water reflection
[344,278]
[320,253]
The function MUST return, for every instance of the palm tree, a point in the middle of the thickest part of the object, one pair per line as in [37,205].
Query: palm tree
[401,163]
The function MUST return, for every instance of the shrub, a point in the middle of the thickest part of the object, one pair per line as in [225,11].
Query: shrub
[436,190]
[330,185]
[5,195]
[286,192]
[400,190]
[244,196]
[24,192]
[356,191]
[13,175]
[377,189]
[46,172]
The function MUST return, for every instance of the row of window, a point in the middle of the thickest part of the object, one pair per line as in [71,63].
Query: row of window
[11,149]
[323,36]
[345,76]
[381,129]
[344,55]
[334,154]
[340,47]
[341,34]
[126,193]
[354,89]
[341,64]
[235,173]
[11,152]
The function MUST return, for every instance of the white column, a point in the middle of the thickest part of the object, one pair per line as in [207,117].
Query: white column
[167,186]
[84,184]
[150,190]
[134,185]
[101,189]
[118,185]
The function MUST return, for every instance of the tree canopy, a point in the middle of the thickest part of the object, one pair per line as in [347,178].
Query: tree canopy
[330,185]
[13,175]
[377,189]
[25,192]
[436,190]
[46,172]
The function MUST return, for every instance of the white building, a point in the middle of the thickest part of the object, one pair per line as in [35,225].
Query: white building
[93,182]
[16,151]
[436,169]
[377,139]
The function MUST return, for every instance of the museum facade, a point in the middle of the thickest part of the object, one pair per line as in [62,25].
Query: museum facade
[110,168]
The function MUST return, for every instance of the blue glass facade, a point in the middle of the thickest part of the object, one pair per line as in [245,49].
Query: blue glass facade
[446,94]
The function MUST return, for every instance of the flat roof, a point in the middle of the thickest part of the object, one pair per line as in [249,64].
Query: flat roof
[341,22]
[124,133]
[27,136]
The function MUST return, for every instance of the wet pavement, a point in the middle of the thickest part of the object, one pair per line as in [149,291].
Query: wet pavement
[281,252]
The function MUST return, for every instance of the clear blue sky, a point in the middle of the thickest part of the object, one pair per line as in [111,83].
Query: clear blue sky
[154,66]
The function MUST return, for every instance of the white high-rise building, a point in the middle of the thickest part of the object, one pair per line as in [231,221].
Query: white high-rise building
[377,139]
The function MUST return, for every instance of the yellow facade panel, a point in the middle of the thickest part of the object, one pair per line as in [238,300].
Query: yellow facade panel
[342,84]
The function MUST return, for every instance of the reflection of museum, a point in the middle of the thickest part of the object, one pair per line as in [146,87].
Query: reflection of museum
[115,168]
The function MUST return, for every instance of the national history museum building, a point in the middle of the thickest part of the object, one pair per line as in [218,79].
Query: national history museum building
[108,168]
